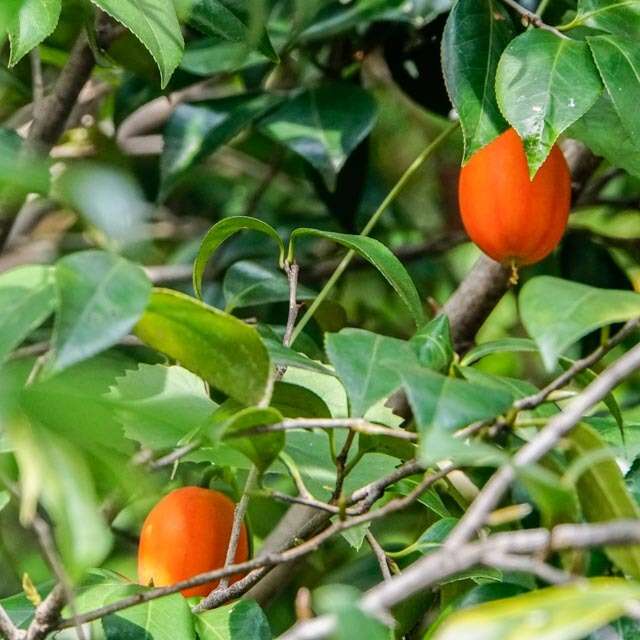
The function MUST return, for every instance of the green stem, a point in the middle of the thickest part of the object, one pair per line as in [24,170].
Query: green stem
[391,196]
[542,7]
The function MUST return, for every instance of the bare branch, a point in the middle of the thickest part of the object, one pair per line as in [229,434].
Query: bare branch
[530,18]
[380,555]
[544,442]
[292,274]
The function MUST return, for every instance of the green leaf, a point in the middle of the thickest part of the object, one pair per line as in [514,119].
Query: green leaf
[17,172]
[504,345]
[219,233]
[557,313]
[618,61]
[586,377]
[158,406]
[167,618]
[101,296]
[53,471]
[380,257]
[223,350]
[194,132]
[621,17]
[335,18]
[27,298]
[433,345]
[294,401]
[475,35]
[287,357]
[603,493]
[242,620]
[544,83]
[323,125]
[35,20]
[209,56]
[442,404]
[262,449]
[569,612]
[367,365]
[602,130]
[156,25]
[233,20]
[5,498]
[248,284]
[445,403]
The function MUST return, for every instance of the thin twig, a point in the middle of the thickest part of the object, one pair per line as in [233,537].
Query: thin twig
[234,539]
[292,274]
[525,564]
[539,446]
[380,555]
[432,569]
[536,399]
[357,425]
[7,628]
[530,18]
[175,455]
[37,82]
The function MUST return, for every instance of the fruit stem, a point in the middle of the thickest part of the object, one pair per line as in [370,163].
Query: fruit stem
[515,276]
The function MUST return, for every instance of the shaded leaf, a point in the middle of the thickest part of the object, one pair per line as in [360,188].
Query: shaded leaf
[195,131]
[294,401]
[380,257]
[475,35]
[504,345]
[543,85]
[27,298]
[219,233]
[101,296]
[556,313]
[323,125]
[621,17]
[223,350]
[241,620]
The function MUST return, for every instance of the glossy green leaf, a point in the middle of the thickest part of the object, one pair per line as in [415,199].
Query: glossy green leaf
[233,20]
[17,172]
[195,131]
[167,618]
[618,61]
[241,620]
[323,125]
[557,313]
[621,17]
[219,233]
[368,365]
[262,449]
[248,284]
[209,56]
[602,130]
[433,345]
[475,35]
[223,350]
[442,404]
[35,20]
[543,85]
[27,298]
[294,401]
[156,25]
[602,492]
[445,403]
[101,296]
[504,345]
[569,612]
[159,405]
[53,471]
[380,257]
[335,19]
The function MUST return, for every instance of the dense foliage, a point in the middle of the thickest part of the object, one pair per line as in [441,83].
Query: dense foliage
[231,256]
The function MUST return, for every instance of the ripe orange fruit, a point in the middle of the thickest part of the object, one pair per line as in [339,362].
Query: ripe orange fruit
[513,219]
[185,534]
